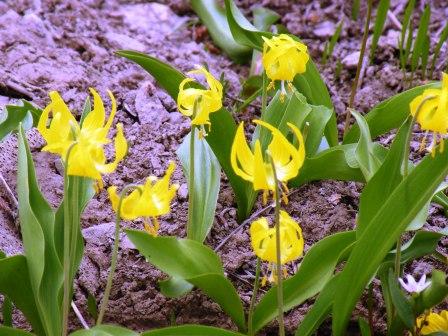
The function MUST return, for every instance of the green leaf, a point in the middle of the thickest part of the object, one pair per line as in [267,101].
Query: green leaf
[364,327]
[175,287]
[7,311]
[355,9]
[420,38]
[442,39]
[435,293]
[401,303]
[264,18]
[223,127]
[328,52]
[398,210]
[8,331]
[37,224]
[315,271]
[389,114]
[365,149]
[214,18]
[425,55]
[190,330]
[105,330]
[15,283]
[92,306]
[381,16]
[27,114]
[405,24]
[193,262]
[207,176]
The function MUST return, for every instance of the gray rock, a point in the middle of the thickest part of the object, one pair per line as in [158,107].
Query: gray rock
[351,60]
[325,29]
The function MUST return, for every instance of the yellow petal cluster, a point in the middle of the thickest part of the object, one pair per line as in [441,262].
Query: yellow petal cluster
[206,100]
[86,142]
[255,168]
[433,113]
[149,200]
[284,57]
[433,323]
[263,239]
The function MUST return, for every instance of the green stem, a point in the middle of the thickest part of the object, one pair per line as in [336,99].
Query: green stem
[113,264]
[190,231]
[264,94]
[281,323]
[358,69]
[254,298]
[66,257]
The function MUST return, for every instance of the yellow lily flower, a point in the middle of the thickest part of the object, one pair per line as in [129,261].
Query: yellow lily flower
[263,239]
[284,58]
[252,167]
[149,200]
[433,114]
[86,143]
[433,323]
[207,100]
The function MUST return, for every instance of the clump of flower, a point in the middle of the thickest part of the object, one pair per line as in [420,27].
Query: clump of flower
[431,111]
[412,286]
[150,200]
[83,145]
[255,168]
[284,58]
[433,322]
[199,103]
[263,239]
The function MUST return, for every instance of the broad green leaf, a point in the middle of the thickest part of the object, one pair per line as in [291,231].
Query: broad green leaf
[37,225]
[15,283]
[223,127]
[195,263]
[435,293]
[264,18]
[315,271]
[27,114]
[365,150]
[420,38]
[105,330]
[389,114]
[207,176]
[214,18]
[364,327]
[175,287]
[401,303]
[190,330]
[7,311]
[8,331]
[398,210]
[381,16]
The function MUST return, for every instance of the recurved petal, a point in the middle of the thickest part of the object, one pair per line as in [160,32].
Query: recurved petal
[241,157]
[95,118]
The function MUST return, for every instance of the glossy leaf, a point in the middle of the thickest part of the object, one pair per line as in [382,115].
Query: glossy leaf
[207,181]
[397,211]
[223,127]
[315,271]
[191,330]
[105,330]
[213,16]
[195,263]
[389,114]
[37,225]
[264,18]
[27,114]
[15,283]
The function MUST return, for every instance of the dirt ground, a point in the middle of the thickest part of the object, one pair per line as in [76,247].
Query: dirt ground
[69,46]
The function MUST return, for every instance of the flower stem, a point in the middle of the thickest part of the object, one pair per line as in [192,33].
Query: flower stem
[113,263]
[281,323]
[254,298]
[358,68]
[190,231]
[264,94]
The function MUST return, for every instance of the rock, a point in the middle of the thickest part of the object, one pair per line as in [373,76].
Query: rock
[325,29]
[183,191]
[123,41]
[389,40]
[351,60]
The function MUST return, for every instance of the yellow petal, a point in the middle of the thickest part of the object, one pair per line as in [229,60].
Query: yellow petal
[241,157]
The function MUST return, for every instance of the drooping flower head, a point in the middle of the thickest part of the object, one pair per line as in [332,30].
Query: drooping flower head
[150,200]
[433,322]
[432,108]
[86,142]
[413,286]
[206,100]
[263,239]
[254,167]
[283,59]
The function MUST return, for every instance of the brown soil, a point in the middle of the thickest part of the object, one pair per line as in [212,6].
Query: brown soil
[69,46]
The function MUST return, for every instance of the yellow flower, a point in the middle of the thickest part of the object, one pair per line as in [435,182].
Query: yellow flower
[283,59]
[206,100]
[149,200]
[433,114]
[263,239]
[252,167]
[433,323]
[62,132]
